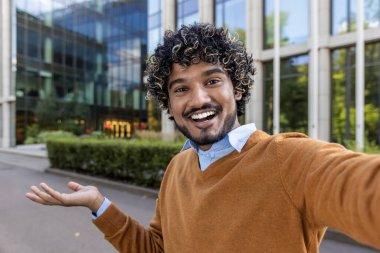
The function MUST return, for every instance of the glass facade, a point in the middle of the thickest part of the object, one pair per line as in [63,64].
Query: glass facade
[154,24]
[343,18]
[371,13]
[343,95]
[154,38]
[187,12]
[344,15]
[84,58]
[372,93]
[293,95]
[226,15]
[294,22]
[268,97]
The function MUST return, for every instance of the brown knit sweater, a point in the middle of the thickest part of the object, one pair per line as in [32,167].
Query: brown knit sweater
[278,195]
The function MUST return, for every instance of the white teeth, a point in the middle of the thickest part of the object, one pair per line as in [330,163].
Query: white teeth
[202,115]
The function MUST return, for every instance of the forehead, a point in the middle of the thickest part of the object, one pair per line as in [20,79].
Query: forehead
[199,69]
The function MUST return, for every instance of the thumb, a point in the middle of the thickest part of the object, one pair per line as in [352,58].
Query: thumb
[74,186]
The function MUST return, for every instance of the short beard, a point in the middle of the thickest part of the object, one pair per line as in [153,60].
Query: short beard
[205,138]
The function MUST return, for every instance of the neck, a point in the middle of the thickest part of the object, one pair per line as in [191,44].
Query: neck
[208,146]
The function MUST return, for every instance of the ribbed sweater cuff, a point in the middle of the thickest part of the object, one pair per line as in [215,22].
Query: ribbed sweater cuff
[111,221]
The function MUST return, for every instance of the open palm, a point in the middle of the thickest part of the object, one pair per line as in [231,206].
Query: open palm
[88,196]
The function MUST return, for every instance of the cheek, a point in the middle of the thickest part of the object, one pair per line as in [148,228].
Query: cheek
[175,107]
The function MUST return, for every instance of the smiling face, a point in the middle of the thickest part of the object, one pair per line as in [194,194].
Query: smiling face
[202,102]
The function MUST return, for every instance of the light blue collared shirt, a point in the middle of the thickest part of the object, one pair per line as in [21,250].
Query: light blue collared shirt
[234,140]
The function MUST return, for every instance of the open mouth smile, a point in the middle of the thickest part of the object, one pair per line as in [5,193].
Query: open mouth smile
[203,116]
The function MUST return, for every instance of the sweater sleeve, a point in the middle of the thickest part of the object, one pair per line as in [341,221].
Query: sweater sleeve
[332,186]
[128,235]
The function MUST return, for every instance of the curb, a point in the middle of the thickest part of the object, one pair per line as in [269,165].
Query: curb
[19,152]
[138,190]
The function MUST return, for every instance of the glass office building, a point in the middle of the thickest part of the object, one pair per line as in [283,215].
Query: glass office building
[80,65]
[307,76]
[318,70]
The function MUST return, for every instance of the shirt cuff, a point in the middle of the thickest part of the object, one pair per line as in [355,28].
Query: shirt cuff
[106,203]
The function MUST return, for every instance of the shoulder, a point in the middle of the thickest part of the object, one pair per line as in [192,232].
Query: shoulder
[260,139]
[180,159]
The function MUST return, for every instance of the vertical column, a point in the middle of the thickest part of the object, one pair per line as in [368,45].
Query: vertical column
[360,76]
[254,108]
[314,71]
[168,23]
[7,100]
[206,11]
[324,97]
[276,69]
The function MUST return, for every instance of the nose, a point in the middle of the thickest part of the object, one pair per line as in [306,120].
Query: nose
[199,97]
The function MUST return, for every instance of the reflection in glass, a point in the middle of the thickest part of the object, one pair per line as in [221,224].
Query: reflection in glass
[343,95]
[372,94]
[187,12]
[231,14]
[371,13]
[154,24]
[293,95]
[294,22]
[75,54]
[343,18]
[268,97]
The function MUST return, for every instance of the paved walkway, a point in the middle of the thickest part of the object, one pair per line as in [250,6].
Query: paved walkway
[57,229]
[27,227]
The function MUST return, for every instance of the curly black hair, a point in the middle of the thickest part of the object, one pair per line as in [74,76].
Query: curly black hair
[192,44]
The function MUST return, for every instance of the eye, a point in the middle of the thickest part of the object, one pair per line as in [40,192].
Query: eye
[179,90]
[213,81]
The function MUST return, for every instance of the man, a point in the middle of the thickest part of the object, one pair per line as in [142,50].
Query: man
[234,188]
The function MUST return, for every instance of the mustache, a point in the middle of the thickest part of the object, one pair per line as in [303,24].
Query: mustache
[192,110]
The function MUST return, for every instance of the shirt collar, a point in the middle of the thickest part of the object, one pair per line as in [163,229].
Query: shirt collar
[237,138]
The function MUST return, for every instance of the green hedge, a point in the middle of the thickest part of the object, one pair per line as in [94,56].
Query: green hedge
[138,162]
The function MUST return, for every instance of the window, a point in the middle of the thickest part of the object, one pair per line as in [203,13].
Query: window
[343,95]
[187,12]
[371,13]
[343,18]
[154,24]
[294,22]
[293,95]
[372,93]
[226,15]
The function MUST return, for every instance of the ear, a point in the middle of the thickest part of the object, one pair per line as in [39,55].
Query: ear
[169,111]
[238,95]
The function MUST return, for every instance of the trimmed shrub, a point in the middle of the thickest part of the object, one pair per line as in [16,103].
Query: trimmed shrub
[138,162]
[44,136]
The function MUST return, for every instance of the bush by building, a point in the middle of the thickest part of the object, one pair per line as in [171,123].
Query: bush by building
[135,161]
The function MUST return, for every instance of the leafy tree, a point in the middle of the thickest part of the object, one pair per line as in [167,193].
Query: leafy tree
[69,116]
[269,29]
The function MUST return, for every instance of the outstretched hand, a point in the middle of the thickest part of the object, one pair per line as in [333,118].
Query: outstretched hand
[87,196]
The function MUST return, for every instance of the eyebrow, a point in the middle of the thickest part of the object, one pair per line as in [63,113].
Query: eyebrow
[212,71]
[179,80]
[205,73]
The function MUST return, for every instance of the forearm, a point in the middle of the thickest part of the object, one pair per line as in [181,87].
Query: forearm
[126,234]
[334,187]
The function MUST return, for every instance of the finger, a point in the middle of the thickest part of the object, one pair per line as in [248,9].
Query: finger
[74,186]
[52,194]
[33,197]
[42,197]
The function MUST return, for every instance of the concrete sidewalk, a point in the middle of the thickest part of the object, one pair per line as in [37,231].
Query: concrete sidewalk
[35,157]
[27,156]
